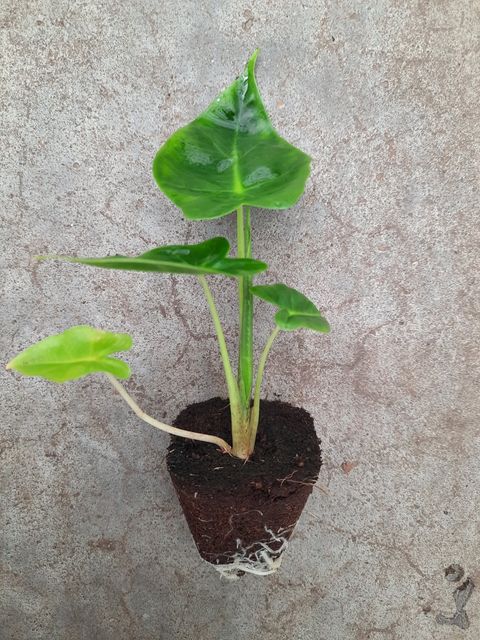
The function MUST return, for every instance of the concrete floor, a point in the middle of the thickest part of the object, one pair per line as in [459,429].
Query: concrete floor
[384,97]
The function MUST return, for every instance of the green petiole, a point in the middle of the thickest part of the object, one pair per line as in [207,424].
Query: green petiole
[245,357]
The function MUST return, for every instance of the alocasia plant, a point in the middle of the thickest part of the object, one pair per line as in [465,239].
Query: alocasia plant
[227,160]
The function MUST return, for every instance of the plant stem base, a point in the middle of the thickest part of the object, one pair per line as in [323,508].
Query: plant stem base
[242,514]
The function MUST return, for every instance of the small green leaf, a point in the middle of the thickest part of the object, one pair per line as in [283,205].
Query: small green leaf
[230,156]
[296,311]
[204,258]
[73,354]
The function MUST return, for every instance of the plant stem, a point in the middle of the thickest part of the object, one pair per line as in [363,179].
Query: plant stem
[238,438]
[245,356]
[248,233]
[240,254]
[255,414]
[192,435]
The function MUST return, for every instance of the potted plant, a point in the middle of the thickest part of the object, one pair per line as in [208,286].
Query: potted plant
[243,468]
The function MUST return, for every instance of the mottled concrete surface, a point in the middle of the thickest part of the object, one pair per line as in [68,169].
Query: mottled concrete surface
[384,96]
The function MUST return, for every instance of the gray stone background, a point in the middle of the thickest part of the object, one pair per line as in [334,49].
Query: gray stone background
[384,97]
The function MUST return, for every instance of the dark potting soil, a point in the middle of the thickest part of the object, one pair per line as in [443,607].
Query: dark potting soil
[233,505]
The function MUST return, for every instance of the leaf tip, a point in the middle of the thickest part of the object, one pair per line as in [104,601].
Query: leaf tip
[13,364]
[52,256]
[263,266]
[253,59]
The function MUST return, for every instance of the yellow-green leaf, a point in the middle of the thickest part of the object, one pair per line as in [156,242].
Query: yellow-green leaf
[74,353]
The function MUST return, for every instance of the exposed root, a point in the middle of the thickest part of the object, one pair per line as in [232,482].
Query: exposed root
[311,483]
[262,562]
[315,485]
[288,478]
[234,515]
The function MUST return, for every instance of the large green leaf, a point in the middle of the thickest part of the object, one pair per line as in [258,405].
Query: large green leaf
[205,258]
[230,156]
[73,354]
[296,311]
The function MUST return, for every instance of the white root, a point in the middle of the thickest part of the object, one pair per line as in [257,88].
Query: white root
[262,562]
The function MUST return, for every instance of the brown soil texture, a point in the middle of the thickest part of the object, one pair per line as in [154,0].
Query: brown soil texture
[233,506]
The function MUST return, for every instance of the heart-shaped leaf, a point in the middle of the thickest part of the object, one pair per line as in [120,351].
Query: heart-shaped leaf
[204,258]
[296,311]
[230,156]
[73,354]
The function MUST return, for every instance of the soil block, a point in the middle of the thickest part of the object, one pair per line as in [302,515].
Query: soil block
[242,513]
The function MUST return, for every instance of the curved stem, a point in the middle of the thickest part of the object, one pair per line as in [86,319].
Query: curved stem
[258,386]
[233,394]
[192,435]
